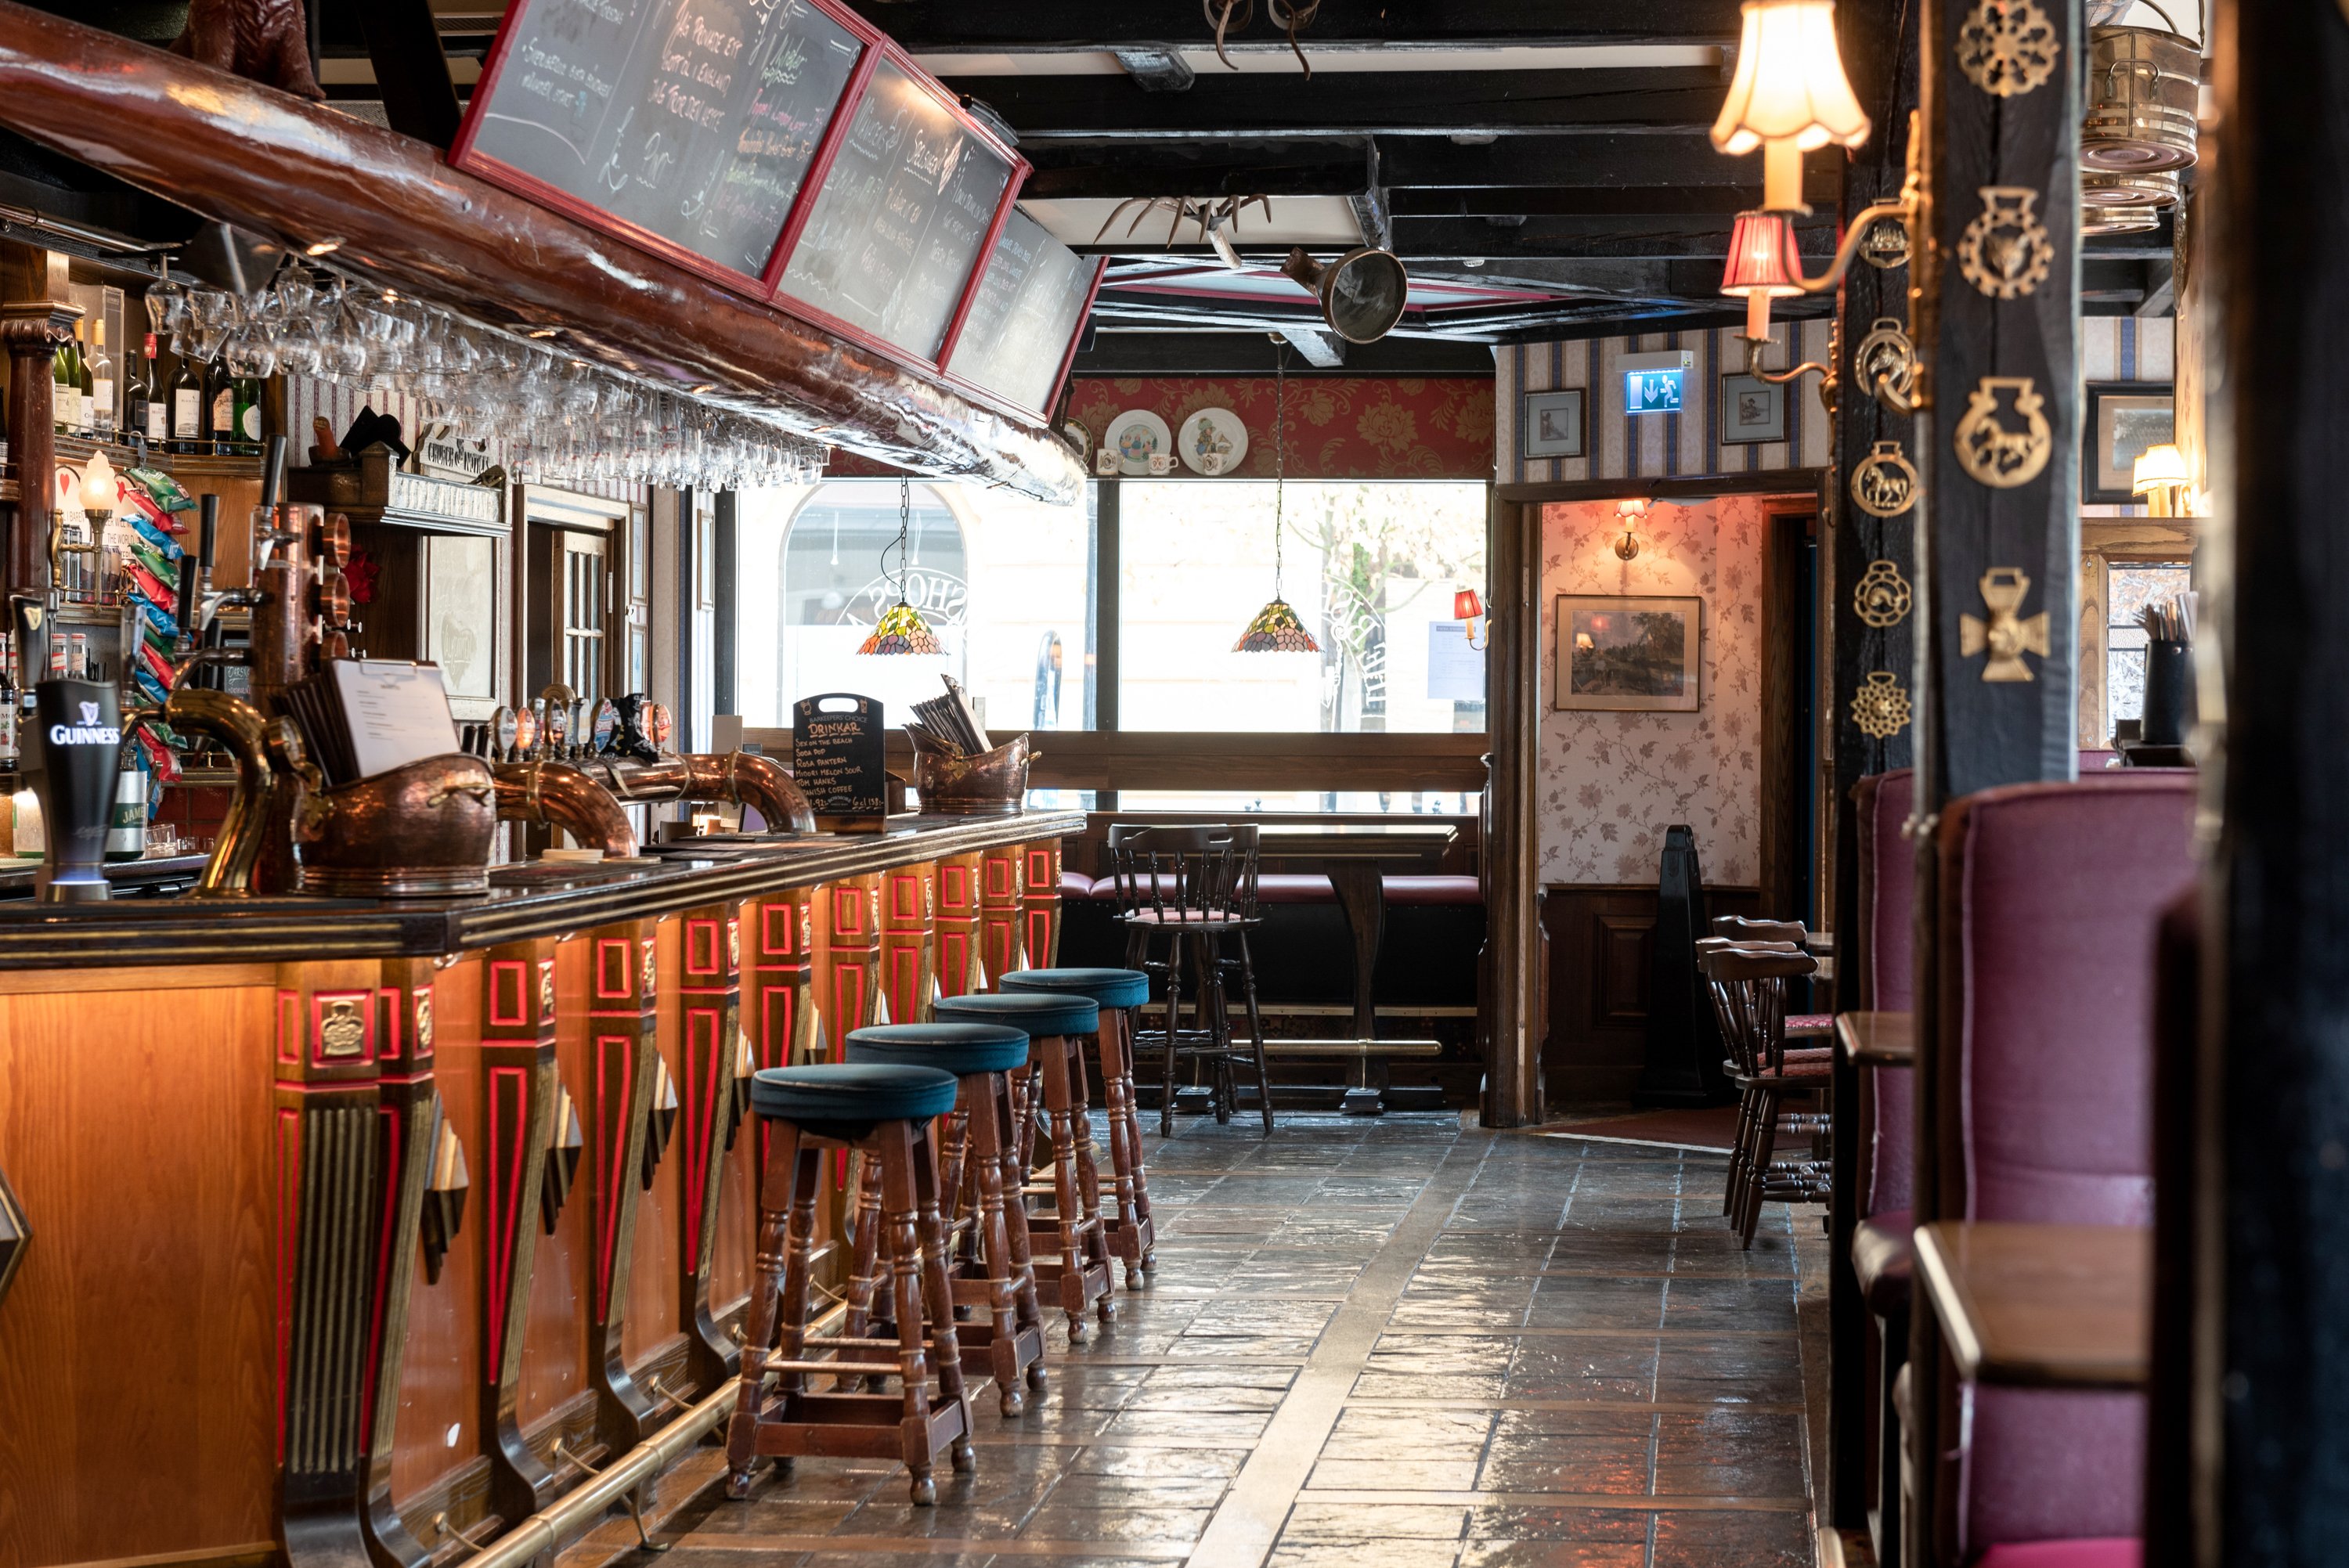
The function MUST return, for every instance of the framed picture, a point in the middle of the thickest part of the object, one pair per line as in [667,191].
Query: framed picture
[1753,411]
[1553,424]
[1624,652]
[2123,418]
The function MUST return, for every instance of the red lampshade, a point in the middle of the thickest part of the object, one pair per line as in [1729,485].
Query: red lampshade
[1465,606]
[1762,257]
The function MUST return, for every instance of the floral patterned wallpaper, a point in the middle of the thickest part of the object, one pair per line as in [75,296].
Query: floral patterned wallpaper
[1340,427]
[1610,783]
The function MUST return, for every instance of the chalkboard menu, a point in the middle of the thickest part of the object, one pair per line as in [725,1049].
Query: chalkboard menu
[836,759]
[1030,304]
[695,121]
[904,212]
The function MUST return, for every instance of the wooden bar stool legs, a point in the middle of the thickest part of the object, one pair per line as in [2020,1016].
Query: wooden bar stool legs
[1132,1235]
[1081,1270]
[879,1112]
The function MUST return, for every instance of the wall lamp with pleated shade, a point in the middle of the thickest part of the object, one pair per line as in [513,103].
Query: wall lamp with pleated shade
[1789,95]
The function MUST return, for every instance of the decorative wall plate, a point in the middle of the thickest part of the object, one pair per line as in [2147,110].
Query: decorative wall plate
[2007,47]
[1134,436]
[1991,451]
[1213,441]
[1884,483]
[1079,436]
[2005,252]
[1881,598]
[1880,708]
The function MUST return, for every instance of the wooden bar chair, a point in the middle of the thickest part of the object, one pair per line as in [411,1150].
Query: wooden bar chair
[1745,929]
[1119,993]
[1194,888]
[1749,992]
[882,1113]
[1798,1056]
[1055,1023]
[1009,1344]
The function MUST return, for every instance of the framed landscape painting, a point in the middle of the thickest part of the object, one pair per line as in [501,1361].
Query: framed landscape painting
[1621,652]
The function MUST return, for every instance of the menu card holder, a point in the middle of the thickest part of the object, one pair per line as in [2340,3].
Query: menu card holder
[838,762]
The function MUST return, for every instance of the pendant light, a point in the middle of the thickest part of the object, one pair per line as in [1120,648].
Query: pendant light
[1277,629]
[902,629]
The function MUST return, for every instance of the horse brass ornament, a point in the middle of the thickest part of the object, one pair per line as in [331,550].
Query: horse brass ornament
[1884,483]
[1883,597]
[2005,251]
[1880,708]
[1994,455]
[2007,635]
[1885,363]
[2007,47]
[1887,244]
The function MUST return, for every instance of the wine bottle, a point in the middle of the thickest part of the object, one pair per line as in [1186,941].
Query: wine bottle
[148,411]
[220,424]
[245,392]
[85,393]
[65,391]
[101,388]
[187,409]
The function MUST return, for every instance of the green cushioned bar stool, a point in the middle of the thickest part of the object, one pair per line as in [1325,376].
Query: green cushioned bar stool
[1117,993]
[1055,1026]
[881,1112]
[977,1151]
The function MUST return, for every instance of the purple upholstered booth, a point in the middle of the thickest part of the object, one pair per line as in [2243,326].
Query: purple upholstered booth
[2049,896]
[1886,949]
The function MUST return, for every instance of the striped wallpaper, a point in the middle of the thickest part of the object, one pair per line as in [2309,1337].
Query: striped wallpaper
[1683,445]
[2125,348]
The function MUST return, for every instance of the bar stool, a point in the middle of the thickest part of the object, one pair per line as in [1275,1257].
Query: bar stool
[981,1057]
[1118,993]
[881,1113]
[1054,1024]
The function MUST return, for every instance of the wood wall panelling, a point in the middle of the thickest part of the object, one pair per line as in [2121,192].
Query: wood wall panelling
[1600,962]
[410,1112]
[191,1220]
[708,999]
[909,898]
[1041,902]
[615,1093]
[958,926]
[1002,888]
[516,1110]
[847,955]
[654,1333]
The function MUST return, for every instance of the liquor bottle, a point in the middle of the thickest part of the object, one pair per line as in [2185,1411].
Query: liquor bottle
[220,420]
[9,752]
[187,409]
[126,829]
[64,393]
[148,412]
[85,393]
[101,389]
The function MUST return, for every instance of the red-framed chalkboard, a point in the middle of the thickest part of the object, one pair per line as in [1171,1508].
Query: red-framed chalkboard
[1026,317]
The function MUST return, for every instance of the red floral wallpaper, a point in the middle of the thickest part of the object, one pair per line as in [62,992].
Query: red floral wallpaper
[1340,427]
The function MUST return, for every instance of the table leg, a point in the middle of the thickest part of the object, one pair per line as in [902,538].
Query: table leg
[1362,899]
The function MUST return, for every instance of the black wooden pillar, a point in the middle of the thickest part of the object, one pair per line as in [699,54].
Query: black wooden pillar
[2275,1229]
[1872,619]
[1995,322]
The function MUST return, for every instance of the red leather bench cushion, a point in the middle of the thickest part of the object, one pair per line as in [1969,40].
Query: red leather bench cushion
[1271,887]
[1432,890]
[2105,1552]
[1075,884]
[1881,1255]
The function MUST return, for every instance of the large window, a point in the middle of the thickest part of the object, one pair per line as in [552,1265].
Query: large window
[1004,582]
[2130,586]
[1371,569]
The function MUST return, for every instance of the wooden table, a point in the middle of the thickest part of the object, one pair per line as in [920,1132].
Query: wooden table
[1357,857]
[1878,1039]
[2041,1306]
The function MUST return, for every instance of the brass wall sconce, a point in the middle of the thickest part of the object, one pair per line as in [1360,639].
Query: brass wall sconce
[1467,609]
[1633,512]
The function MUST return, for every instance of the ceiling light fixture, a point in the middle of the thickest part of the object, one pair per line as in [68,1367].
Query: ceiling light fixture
[900,629]
[1276,628]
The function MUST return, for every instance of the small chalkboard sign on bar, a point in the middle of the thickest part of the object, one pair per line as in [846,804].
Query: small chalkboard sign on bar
[895,231]
[1021,330]
[837,761]
[687,125]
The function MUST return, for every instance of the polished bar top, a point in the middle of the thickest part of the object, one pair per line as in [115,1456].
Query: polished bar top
[2041,1306]
[1878,1039]
[524,901]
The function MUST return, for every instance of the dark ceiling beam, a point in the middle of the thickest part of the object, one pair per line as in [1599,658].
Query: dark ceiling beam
[1665,237]
[1063,25]
[418,98]
[1352,103]
[1237,353]
[1502,201]
[1579,161]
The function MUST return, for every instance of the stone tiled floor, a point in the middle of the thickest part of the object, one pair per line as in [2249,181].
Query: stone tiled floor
[1379,1344]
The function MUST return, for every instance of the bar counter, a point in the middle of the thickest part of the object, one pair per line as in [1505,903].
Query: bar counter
[441,1206]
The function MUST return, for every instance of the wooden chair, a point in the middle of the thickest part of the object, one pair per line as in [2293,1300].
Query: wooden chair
[882,1113]
[1194,889]
[1749,994]
[1746,929]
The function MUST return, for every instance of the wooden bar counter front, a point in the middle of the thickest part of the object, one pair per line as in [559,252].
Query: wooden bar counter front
[343,1230]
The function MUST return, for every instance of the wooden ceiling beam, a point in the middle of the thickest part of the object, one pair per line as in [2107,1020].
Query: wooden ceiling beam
[1071,26]
[1349,104]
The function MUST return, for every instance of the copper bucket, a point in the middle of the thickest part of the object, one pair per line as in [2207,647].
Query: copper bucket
[2144,93]
[952,783]
[419,832]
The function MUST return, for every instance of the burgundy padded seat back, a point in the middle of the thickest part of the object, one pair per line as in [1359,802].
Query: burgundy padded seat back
[2050,897]
[1886,947]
